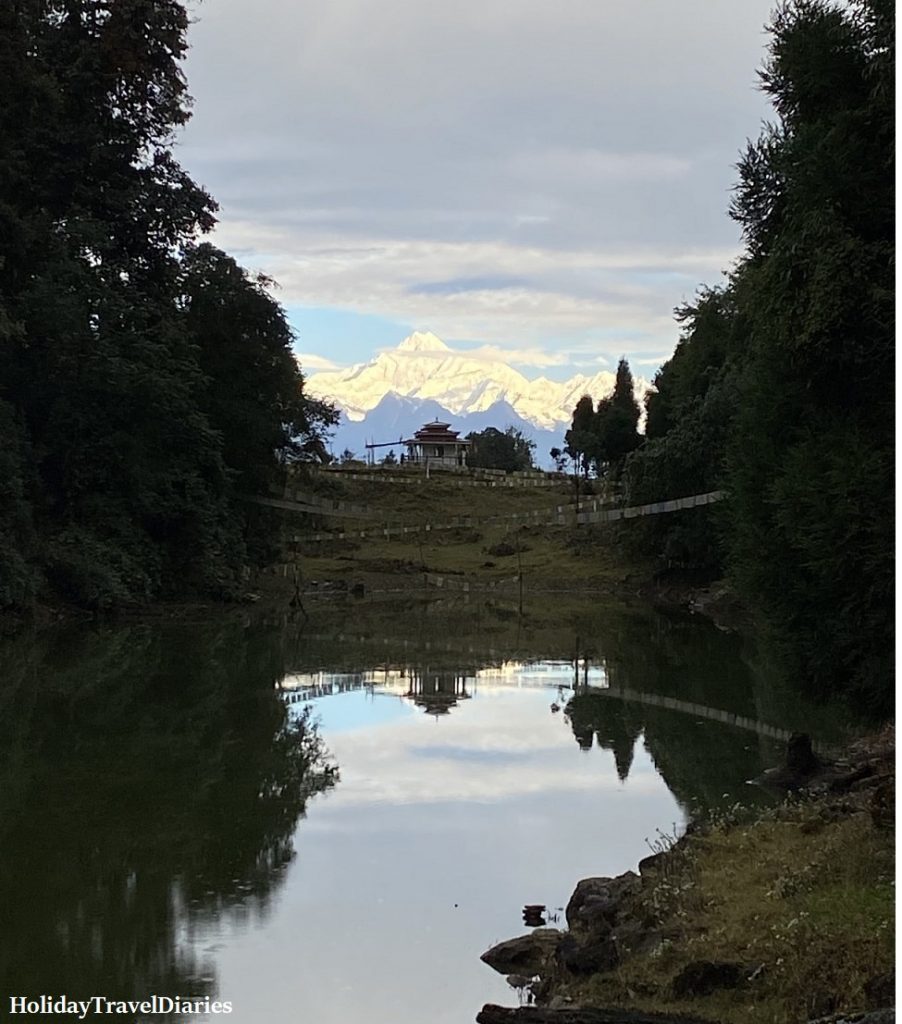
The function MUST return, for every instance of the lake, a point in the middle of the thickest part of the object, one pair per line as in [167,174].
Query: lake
[171,823]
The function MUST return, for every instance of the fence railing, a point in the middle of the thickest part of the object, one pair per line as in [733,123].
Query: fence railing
[559,515]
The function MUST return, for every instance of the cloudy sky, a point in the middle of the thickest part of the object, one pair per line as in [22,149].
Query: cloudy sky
[549,179]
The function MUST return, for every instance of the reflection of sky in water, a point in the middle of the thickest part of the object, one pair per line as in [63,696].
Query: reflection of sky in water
[439,831]
[358,709]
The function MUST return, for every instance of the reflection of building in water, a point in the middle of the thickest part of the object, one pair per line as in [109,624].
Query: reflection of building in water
[437,692]
[434,690]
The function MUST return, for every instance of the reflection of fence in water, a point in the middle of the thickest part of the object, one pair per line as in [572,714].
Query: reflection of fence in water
[698,710]
[547,675]
[403,681]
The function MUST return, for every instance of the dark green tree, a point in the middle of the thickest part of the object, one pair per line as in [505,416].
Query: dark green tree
[131,486]
[559,458]
[811,463]
[507,449]
[123,457]
[709,336]
[616,422]
[254,394]
[690,413]
[580,441]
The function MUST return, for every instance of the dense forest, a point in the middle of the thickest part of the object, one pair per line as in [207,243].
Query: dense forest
[780,391]
[147,382]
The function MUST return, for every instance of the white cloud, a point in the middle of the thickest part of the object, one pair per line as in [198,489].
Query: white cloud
[531,356]
[311,361]
[653,360]
[511,748]
[586,154]
[562,295]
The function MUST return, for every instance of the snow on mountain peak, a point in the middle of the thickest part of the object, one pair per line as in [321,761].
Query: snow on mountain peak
[458,382]
[422,341]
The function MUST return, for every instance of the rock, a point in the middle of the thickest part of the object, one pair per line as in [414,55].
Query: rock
[652,863]
[800,758]
[526,954]
[614,889]
[632,936]
[562,1011]
[800,769]
[850,779]
[541,989]
[702,977]
[518,980]
[598,913]
[589,957]
[560,1003]
[880,990]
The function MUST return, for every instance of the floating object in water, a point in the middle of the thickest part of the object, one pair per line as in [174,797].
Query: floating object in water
[533,915]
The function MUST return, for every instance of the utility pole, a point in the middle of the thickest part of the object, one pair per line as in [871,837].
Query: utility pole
[520,577]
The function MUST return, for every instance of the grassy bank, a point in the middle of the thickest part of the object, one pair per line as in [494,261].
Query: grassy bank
[800,898]
[485,553]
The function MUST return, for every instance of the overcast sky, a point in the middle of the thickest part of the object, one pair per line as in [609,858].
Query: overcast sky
[546,178]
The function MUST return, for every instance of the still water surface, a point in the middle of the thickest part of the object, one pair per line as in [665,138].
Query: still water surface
[169,824]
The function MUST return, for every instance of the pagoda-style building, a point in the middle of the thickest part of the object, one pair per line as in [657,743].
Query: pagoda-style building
[437,446]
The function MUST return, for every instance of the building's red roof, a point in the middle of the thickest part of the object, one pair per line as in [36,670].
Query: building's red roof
[436,433]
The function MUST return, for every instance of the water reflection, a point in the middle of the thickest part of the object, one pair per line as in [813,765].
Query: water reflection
[150,781]
[692,695]
[153,782]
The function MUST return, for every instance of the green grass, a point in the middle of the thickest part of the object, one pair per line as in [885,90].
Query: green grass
[814,905]
[556,557]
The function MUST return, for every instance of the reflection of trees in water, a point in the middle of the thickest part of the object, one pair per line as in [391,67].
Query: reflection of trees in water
[149,780]
[705,763]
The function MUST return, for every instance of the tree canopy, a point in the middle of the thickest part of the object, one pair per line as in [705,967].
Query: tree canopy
[781,386]
[602,437]
[580,440]
[145,381]
[507,449]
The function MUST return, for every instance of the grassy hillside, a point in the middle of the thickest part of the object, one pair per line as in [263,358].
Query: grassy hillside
[483,553]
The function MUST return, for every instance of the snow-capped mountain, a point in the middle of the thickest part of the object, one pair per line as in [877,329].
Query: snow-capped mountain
[396,418]
[423,369]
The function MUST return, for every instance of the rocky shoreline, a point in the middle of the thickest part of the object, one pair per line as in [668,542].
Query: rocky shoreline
[641,948]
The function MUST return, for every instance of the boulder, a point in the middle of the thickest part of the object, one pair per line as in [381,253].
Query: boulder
[800,758]
[518,980]
[598,913]
[527,954]
[586,957]
[801,769]
[702,977]
[633,936]
[614,889]
[562,1011]
[653,862]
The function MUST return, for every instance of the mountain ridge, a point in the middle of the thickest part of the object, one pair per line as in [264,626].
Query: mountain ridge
[423,368]
[397,417]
